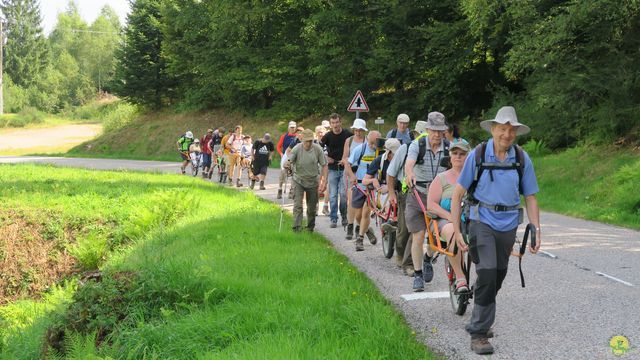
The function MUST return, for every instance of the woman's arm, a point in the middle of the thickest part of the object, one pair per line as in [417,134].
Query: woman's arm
[433,200]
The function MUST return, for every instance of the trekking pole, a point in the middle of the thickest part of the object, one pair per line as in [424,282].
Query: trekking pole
[286,179]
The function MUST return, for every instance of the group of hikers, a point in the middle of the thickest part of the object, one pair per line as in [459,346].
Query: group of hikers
[429,170]
[232,152]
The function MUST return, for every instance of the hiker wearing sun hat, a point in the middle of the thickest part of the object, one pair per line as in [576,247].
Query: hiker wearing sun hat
[307,159]
[359,129]
[494,176]
[422,166]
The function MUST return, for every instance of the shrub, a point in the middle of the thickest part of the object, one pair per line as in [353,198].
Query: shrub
[536,148]
[121,115]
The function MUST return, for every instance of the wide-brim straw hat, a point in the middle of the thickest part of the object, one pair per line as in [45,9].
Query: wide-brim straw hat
[506,114]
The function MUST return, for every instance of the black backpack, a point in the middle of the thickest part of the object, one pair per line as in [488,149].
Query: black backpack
[394,133]
[481,165]
[422,150]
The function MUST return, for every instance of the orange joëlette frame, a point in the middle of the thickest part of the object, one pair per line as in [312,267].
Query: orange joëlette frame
[433,244]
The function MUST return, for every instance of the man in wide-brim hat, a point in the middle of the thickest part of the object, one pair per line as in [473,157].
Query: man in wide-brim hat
[495,212]
[307,158]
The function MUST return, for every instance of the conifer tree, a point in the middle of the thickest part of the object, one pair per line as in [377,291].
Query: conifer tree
[25,52]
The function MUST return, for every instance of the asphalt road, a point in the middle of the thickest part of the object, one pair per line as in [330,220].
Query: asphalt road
[581,289]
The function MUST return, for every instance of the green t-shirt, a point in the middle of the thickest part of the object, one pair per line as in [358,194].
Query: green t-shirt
[307,164]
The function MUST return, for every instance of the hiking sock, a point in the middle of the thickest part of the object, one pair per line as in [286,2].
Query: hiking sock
[417,273]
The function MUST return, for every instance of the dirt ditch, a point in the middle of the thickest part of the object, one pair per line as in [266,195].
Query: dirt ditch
[30,260]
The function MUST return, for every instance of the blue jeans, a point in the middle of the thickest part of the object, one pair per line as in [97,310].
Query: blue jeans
[337,187]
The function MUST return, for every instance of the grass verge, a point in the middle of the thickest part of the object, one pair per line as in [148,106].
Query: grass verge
[200,284]
[592,182]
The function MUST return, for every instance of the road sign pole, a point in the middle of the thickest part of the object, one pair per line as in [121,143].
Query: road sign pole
[357,114]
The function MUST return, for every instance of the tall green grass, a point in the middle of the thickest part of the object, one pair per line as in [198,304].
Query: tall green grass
[213,280]
[592,182]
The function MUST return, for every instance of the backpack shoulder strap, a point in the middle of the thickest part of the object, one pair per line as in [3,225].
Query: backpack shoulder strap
[364,149]
[447,144]
[422,149]
[480,152]
[519,165]
[394,133]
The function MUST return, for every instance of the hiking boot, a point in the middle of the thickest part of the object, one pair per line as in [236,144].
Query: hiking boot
[371,236]
[427,268]
[238,183]
[418,283]
[279,194]
[409,271]
[481,346]
[296,229]
[490,334]
[325,210]
[398,259]
[349,232]
[359,244]
[291,195]
[334,224]
[345,222]
[252,185]
[262,186]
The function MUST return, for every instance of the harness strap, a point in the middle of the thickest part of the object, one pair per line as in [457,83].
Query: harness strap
[498,207]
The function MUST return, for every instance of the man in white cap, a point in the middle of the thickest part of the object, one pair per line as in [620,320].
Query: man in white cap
[423,165]
[402,131]
[494,196]
[183,147]
[398,196]
[283,144]
[307,159]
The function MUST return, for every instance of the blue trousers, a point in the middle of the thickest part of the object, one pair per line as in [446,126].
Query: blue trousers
[337,189]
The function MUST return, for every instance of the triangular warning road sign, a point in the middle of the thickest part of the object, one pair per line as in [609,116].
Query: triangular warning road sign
[358,103]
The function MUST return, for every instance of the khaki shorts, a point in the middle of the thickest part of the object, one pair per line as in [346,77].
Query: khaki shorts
[413,215]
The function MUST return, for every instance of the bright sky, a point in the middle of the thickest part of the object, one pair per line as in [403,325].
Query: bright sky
[89,10]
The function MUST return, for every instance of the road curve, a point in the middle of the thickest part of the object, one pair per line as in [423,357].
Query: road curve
[581,290]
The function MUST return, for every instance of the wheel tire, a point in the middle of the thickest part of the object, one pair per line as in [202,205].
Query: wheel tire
[388,244]
[459,302]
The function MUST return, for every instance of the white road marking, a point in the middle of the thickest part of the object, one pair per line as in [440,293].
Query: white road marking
[546,253]
[426,295]
[614,278]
